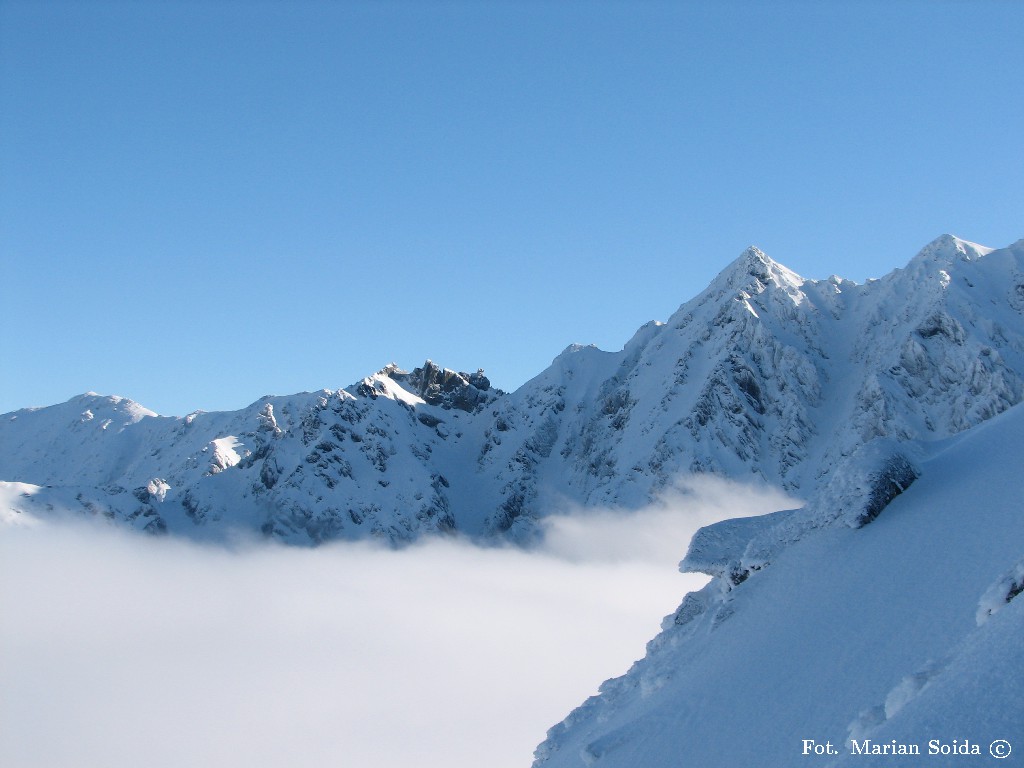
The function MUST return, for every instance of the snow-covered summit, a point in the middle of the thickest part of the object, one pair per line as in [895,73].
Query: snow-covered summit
[755,264]
[118,409]
[946,249]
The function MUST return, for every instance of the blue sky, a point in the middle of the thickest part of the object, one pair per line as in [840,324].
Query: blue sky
[202,203]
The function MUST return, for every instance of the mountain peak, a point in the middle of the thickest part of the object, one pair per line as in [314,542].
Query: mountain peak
[444,387]
[754,253]
[948,249]
[755,263]
[112,403]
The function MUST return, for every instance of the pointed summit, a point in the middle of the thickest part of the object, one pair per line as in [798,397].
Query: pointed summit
[948,249]
[755,265]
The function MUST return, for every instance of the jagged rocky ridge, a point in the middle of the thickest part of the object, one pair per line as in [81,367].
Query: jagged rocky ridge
[818,386]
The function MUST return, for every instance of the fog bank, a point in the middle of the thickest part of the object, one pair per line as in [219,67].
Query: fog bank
[122,651]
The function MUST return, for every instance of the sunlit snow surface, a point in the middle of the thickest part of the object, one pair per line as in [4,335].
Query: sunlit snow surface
[868,634]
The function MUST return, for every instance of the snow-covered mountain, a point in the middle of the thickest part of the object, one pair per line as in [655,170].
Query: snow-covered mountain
[877,625]
[878,619]
[817,386]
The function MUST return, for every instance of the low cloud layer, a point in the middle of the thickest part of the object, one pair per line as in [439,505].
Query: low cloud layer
[123,651]
[661,532]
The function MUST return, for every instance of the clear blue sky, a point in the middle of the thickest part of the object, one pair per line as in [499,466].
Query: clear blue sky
[202,202]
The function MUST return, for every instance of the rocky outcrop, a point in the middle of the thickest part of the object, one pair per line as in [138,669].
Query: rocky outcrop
[448,389]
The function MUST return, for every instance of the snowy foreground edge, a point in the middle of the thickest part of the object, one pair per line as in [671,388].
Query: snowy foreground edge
[838,645]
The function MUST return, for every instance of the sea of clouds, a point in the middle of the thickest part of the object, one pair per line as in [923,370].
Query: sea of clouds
[119,650]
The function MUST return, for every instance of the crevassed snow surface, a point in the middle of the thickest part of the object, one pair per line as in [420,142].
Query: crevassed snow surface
[866,634]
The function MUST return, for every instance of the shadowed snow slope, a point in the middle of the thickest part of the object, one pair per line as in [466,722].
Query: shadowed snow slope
[903,629]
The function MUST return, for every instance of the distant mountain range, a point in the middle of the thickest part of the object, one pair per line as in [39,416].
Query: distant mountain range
[763,375]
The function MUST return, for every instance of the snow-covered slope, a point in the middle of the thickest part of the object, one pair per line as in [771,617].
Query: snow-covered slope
[901,632]
[806,384]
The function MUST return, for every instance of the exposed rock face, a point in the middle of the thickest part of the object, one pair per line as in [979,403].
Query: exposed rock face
[763,374]
[892,479]
[439,386]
